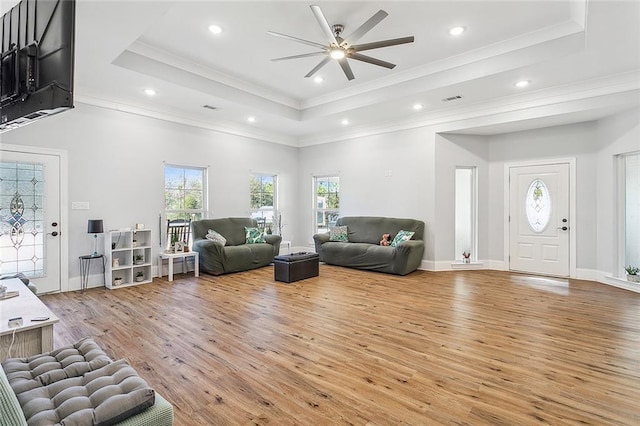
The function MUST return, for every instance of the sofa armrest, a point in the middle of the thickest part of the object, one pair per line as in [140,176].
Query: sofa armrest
[319,240]
[211,256]
[408,256]
[274,240]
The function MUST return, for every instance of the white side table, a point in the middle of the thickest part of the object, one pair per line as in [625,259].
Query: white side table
[172,256]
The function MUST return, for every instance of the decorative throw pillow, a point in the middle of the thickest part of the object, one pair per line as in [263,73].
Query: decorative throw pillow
[338,233]
[401,238]
[214,236]
[253,235]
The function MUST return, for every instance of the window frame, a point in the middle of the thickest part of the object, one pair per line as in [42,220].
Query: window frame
[274,208]
[471,207]
[175,213]
[323,210]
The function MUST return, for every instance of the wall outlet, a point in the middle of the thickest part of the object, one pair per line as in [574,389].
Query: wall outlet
[79,205]
[15,322]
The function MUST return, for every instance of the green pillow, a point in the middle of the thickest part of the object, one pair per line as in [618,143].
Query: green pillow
[253,235]
[338,233]
[401,238]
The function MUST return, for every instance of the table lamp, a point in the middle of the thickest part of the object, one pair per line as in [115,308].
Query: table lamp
[95,227]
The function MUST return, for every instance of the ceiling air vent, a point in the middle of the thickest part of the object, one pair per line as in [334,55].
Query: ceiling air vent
[211,107]
[452,98]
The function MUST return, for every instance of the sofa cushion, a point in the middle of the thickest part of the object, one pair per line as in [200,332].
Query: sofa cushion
[401,237]
[338,233]
[41,370]
[101,397]
[214,236]
[253,235]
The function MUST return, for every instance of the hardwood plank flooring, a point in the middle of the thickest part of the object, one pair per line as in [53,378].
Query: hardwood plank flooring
[361,348]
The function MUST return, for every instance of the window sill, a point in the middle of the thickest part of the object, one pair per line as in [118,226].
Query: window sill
[463,265]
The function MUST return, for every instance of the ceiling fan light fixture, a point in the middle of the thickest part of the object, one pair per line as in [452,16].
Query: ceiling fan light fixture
[337,53]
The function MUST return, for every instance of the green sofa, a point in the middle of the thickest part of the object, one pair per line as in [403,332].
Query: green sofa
[363,250]
[235,255]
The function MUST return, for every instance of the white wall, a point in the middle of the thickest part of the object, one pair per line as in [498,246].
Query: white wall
[616,135]
[116,164]
[577,141]
[458,150]
[364,189]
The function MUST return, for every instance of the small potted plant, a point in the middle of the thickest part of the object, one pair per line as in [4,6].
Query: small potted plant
[117,281]
[138,259]
[140,276]
[632,274]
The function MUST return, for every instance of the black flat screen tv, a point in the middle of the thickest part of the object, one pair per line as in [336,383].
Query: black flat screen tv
[37,61]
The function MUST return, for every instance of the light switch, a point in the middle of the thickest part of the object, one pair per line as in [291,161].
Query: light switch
[79,205]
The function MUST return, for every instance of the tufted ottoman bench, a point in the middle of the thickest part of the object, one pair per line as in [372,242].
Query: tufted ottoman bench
[77,385]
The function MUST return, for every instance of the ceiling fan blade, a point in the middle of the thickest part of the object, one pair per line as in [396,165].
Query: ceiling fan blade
[370,60]
[299,40]
[317,67]
[366,27]
[324,25]
[383,43]
[304,55]
[346,68]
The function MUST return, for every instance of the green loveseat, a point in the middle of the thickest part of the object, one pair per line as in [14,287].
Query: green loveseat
[235,255]
[363,249]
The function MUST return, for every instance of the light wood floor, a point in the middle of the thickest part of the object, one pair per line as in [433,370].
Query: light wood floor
[353,347]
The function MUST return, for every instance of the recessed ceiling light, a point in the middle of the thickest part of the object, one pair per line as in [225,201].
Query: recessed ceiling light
[344,122]
[318,79]
[215,29]
[456,31]
[522,83]
[149,92]
[251,119]
[418,107]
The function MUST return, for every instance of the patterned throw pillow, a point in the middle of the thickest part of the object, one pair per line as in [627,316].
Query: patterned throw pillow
[253,235]
[214,236]
[338,233]
[401,238]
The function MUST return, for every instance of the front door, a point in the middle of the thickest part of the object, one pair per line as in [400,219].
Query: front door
[539,225]
[30,240]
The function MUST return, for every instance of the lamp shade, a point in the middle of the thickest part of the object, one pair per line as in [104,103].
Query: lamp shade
[95,227]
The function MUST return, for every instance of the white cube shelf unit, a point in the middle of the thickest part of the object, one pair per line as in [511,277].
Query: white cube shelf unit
[128,256]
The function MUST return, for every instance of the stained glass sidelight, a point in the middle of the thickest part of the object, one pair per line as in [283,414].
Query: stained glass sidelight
[538,206]
[22,218]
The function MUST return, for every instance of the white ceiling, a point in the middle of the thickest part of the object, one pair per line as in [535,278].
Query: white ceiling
[582,58]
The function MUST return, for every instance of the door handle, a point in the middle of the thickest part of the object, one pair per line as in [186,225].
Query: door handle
[53,234]
[564,228]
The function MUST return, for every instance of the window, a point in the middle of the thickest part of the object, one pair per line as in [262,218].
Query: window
[185,194]
[465,212]
[538,206]
[632,210]
[263,201]
[327,202]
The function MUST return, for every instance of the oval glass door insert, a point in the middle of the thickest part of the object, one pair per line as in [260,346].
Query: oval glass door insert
[538,206]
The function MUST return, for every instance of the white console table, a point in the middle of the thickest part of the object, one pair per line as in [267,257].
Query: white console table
[172,256]
[32,337]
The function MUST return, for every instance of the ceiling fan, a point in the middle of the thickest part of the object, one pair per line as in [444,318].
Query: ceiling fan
[342,49]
